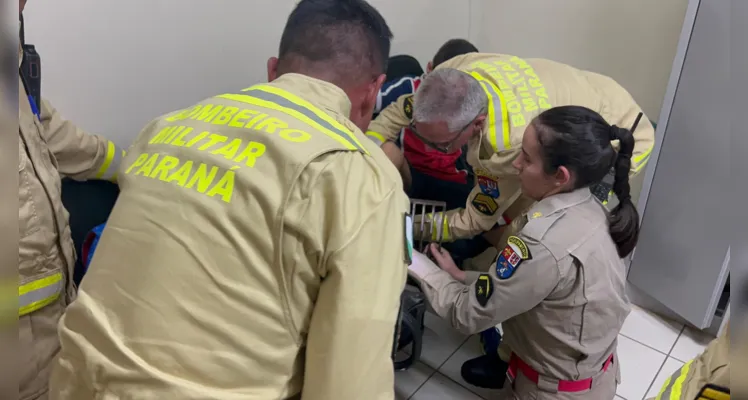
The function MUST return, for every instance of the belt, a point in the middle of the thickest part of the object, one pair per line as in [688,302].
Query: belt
[516,363]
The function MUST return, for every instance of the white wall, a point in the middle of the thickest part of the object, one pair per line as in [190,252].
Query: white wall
[111,66]
[632,41]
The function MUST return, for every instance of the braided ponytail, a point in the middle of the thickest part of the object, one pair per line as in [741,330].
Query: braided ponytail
[624,219]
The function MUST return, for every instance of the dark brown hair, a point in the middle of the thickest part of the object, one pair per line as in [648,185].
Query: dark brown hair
[579,139]
[349,36]
[453,48]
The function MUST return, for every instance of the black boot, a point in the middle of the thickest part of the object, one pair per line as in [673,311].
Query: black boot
[487,371]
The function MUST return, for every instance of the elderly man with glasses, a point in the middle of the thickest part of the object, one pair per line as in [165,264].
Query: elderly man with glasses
[484,102]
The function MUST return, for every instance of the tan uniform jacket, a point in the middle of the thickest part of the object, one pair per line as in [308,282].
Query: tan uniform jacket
[711,366]
[256,251]
[564,303]
[518,90]
[48,148]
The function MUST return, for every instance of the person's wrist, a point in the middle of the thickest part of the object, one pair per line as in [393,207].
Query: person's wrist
[457,274]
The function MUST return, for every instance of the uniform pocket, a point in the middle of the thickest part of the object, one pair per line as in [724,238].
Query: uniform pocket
[27,364]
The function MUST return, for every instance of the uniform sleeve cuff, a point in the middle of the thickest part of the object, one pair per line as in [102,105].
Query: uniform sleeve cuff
[421,266]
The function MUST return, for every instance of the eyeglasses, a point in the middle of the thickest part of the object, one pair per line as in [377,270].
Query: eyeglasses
[444,147]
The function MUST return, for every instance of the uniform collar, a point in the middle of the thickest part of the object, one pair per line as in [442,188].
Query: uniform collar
[558,202]
[322,94]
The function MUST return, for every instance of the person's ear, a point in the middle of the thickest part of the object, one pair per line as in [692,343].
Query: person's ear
[562,176]
[430,66]
[479,123]
[480,120]
[372,91]
[377,86]
[364,100]
[272,68]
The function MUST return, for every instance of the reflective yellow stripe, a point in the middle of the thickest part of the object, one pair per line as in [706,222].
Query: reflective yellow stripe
[39,293]
[376,137]
[672,388]
[440,220]
[278,103]
[665,386]
[292,113]
[111,163]
[641,160]
[334,125]
[495,102]
[114,175]
[110,151]
[678,385]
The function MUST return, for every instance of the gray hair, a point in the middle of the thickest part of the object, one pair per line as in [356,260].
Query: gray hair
[449,95]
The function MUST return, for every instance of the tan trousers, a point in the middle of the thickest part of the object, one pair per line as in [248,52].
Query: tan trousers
[39,345]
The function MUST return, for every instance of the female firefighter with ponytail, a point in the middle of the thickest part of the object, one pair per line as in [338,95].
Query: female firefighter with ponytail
[558,286]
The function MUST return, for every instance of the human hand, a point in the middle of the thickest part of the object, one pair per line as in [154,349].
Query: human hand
[444,260]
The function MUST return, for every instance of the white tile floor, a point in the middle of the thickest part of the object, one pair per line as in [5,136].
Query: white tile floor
[650,349]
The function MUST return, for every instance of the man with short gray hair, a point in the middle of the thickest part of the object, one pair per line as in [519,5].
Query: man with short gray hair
[486,101]
[462,101]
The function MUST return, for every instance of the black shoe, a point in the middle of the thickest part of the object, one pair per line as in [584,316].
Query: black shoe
[487,371]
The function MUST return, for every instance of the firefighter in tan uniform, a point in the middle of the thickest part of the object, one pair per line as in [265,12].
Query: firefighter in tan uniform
[558,287]
[257,249]
[48,148]
[489,106]
[706,377]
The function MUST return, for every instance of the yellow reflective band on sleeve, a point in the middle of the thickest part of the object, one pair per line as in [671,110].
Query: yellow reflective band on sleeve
[35,295]
[294,106]
[672,388]
[114,175]
[495,106]
[375,137]
[111,163]
[110,150]
[440,222]
[641,160]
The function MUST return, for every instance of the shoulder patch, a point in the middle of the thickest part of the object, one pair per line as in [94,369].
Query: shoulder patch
[408,239]
[485,204]
[488,185]
[713,392]
[511,257]
[520,247]
[408,106]
[483,289]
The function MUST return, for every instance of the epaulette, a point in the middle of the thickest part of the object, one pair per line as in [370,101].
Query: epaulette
[538,224]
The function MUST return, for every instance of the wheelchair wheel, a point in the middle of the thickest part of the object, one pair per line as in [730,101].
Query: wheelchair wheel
[410,328]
